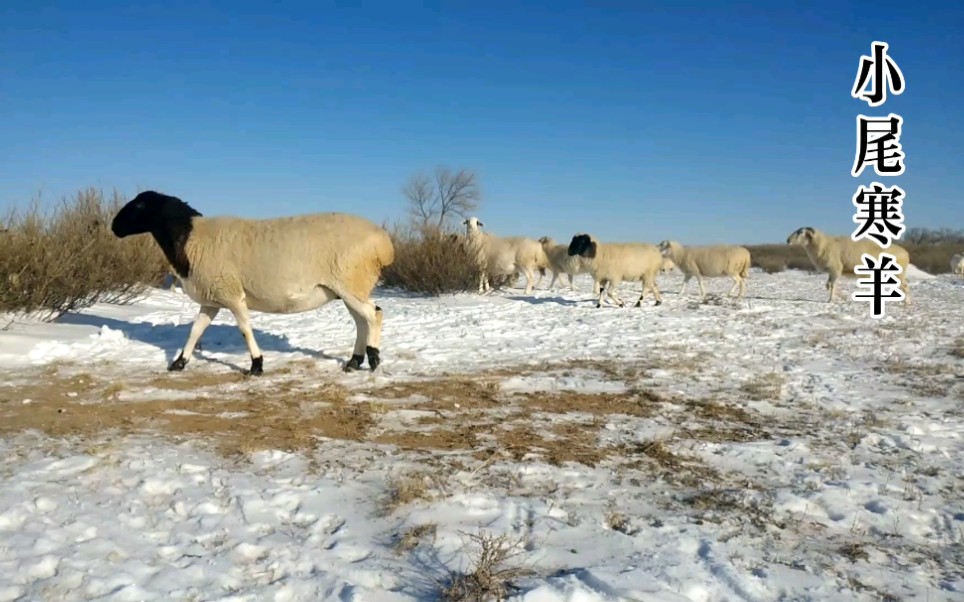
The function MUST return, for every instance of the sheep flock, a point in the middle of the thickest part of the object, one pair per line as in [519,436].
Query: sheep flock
[299,263]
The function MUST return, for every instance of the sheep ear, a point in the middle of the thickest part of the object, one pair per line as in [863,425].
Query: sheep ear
[591,250]
[481,225]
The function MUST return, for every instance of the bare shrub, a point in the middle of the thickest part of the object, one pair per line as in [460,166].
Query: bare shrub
[431,260]
[68,259]
[491,576]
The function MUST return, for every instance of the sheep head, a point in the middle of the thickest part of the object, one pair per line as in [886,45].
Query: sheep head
[801,236]
[667,246]
[582,244]
[546,242]
[149,212]
[472,224]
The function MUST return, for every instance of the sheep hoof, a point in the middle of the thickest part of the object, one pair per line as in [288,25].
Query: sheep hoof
[178,364]
[257,366]
[638,304]
[373,357]
[354,363]
[598,305]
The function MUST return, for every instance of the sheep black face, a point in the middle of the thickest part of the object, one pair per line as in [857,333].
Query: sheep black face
[167,218]
[150,212]
[800,236]
[582,244]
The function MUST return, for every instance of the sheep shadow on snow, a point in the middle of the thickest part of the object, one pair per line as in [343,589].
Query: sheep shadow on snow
[222,338]
[544,300]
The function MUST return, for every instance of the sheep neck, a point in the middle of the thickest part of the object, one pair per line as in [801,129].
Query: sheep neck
[172,237]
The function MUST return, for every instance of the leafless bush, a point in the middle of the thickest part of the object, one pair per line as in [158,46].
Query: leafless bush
[68,259]
[431,260]
[491,576]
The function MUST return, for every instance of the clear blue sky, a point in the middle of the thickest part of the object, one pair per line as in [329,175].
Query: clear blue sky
[700,121]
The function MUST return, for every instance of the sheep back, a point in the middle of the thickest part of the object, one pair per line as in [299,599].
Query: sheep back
[277,264]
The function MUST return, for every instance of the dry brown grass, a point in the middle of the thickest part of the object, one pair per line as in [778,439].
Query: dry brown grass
[67,259]
[464,418]
[404,490]
[412,538]
[764,387]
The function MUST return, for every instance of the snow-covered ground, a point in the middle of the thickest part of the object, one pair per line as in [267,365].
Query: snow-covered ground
[778,448]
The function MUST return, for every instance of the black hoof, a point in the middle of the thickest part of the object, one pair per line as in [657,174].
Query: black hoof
[598,305]
[257,366]
[638,304]
[658,303]
[354,363]
[373,357]
[178,364]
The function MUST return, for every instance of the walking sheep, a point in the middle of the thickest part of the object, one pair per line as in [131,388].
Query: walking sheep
[504,256]
[611,263]
[957,264]
[839,255]
[282,265]
[560,262]
[709,262]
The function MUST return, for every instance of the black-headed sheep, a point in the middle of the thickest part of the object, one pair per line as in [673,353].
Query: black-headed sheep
[282,265]
[839,255]
[612,263]
[709,262]
[560,262]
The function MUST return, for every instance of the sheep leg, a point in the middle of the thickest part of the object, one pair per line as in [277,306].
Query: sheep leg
[555,276]
[595,287]
[651,284]
[240,311]
[602,292]
[201,322]
[542,274]
[737,282]
[686,280]
[699,280]
[614,293]
[832,287]
[530,276]
[368,329]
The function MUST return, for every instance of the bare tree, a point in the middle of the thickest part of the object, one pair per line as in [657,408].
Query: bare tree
[444,195]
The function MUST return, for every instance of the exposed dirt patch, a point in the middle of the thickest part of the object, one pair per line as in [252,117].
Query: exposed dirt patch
[470,416]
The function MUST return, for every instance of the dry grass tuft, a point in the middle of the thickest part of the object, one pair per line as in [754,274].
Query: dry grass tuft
[764,387]
[411,539]
[491,576]
[404,490]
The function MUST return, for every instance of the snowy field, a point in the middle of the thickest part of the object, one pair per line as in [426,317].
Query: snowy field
[778,448]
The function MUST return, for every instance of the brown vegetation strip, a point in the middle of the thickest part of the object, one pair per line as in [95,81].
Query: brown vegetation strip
[235,414]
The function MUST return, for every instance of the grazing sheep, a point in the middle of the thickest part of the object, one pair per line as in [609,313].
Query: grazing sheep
[611,263]
[709,262]
[281,265]
[957,264]
[839,255]
[560,262]
[504,256]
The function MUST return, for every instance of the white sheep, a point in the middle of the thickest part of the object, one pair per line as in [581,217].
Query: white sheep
[839,255]
[282,265]
[709,262]
[612,263]
[560,262]
[667,266]
[504,256]
[957,264]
